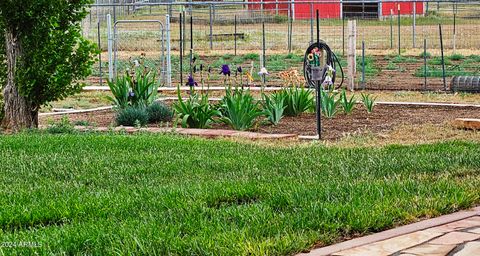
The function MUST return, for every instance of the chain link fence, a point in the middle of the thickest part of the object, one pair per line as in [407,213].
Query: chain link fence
[393,35]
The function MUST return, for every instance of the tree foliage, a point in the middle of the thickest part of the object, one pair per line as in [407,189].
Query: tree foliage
[55,56]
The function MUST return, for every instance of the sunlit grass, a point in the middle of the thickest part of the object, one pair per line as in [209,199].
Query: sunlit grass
[156,194]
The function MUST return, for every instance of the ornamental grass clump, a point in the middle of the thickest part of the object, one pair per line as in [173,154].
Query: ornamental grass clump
[369,102]
[240,110]
[348,104]
[296,100]
[136,88]
[329,103]
[273,107]
[196,111]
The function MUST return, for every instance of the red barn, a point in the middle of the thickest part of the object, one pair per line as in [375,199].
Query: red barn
[337,8]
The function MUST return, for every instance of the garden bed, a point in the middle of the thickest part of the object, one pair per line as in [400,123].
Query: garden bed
[385,118]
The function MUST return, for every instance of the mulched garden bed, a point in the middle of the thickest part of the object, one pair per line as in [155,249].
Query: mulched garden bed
[384,118]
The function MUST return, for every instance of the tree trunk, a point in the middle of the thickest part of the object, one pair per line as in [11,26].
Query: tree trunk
[19,112]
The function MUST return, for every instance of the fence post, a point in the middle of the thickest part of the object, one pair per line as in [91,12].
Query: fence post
[110,47]
[180,23]
[276,7]
[414,22]
[211,26]
[399,32]
[289,17]
[311,23]
[235,34]
[443,57]
[363,64]
[191,45]
[391,29]
[169,60]
[425,63]
[343,34]
[264,61]
[99,53]
[352,37]
[454,27]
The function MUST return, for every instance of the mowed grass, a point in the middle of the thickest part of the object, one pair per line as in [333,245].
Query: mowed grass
[146,194]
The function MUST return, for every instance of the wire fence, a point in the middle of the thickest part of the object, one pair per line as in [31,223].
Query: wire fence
[393,33]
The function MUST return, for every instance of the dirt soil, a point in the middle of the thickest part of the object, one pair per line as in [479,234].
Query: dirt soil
[384,119]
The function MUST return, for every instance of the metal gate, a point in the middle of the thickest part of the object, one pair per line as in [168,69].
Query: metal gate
[139,42]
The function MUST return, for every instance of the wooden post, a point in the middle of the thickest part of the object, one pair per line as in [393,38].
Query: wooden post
[351,54]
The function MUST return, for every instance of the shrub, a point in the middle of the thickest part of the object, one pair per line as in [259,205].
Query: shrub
[159,112]
[329,103]
[296,100]
[196,111]
[347,104]
[273,107]
[132,116]
[369,102]
[239,109]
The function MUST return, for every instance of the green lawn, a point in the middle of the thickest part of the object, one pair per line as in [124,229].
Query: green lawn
[158,195]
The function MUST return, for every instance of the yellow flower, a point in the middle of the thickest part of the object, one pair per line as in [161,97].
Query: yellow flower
[310,56]
[249,76]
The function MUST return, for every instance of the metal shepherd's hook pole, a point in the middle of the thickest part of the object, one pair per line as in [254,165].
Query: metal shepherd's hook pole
[319,88]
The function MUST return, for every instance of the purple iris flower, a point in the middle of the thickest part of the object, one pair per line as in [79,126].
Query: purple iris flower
[131,94]
[239,69]
[191,82]
[225,70]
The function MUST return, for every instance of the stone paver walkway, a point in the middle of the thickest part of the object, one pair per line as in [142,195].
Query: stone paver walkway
[456,234]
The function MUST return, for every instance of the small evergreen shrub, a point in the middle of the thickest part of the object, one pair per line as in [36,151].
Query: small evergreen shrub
[159,112]
[132,116]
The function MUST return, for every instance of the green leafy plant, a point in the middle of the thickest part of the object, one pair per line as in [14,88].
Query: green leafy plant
[348,104]
[83,123]
[159,112]
[137,89]
[240,110]
[49,56]
[296,100]
[132,116]
[368,101]
[456,56]
[62,126]
[391,66]
[144,87]
[273,107]
[196,111]
[329,103]
[425,54]
[120,90]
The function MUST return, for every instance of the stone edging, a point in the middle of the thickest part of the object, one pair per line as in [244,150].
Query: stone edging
[403,230]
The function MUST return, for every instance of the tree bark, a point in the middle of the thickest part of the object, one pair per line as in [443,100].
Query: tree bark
[19,112]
